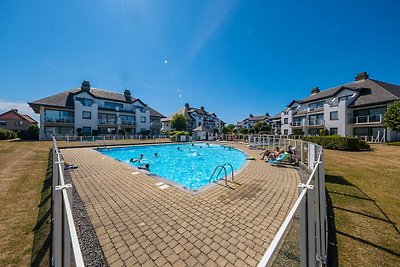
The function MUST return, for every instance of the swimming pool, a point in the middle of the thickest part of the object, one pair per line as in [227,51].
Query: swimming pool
[189,165]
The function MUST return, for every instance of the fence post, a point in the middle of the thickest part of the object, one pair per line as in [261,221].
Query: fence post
[66,227]
[57,214]
[311,262]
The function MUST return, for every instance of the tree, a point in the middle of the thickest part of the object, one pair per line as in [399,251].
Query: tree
[261,126]
[244,131]
[225,130]
[392,116]
[178,122]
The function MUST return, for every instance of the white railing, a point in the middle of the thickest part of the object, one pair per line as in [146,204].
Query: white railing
[109,122]
[311,204]
[297,123]
[367,119]
[64,236]
[112,137]
[319,122]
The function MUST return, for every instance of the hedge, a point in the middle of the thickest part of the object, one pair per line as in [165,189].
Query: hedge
[6,134]
[32,133]
[338,142]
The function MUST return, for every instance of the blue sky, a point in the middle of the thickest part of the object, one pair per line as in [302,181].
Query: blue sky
[233,57]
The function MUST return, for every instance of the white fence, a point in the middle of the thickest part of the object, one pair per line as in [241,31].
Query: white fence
[310,204]
[65,246]
[76,138]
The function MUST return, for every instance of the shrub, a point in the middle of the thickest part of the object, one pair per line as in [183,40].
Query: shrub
[95,132]
[338,142]
[6,134]
[175,135]
[32,133]
[323,132]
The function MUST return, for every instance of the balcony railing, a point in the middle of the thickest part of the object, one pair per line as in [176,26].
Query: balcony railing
[128,123]
[319,122]
[297,124]
[367,119]
[108,122]
[59,120]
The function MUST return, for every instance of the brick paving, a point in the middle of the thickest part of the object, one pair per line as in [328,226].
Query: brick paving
[138,224]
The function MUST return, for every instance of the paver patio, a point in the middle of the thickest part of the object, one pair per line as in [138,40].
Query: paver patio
[139,224]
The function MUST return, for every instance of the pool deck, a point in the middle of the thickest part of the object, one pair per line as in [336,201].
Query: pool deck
[139,224]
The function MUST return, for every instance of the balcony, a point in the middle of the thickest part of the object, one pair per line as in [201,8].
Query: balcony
[297,124]
[367,119]
[107,122]
[128,123]
[59,120]
[315,123]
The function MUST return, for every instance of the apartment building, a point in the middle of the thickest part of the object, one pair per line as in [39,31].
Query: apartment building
[13,121]
[352,109]
[90,111]
[251,120]
[203,124]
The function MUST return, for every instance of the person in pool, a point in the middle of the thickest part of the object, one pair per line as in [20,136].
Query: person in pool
[139,159]
[146,167]
[156,155]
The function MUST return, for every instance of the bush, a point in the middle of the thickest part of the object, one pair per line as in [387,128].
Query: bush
[175,135]
[6,134]
[323,132]
[95,132]
[32,133]
[338,142]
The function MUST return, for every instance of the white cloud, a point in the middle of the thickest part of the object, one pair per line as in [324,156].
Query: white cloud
[23,108]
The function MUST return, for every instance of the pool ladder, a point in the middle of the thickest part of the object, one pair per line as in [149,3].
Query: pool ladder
[220,168]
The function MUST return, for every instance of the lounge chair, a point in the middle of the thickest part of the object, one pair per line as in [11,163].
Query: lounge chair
[278,161]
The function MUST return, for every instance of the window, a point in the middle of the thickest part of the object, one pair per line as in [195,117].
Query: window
[127,120]
[199,123]
[51,115]
[333,131]
[105,118]
[313,131]
[285,132]
[112,105]
[286,121]
[139,108]
[3,123]
[86,130]
[143,119]
[19,123]
[86,115]
[345,97]
[85,101]
[318,104]
[59,130]
[334,115]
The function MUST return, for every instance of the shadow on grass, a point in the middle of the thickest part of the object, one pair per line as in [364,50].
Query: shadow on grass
[332,231]
[42,237]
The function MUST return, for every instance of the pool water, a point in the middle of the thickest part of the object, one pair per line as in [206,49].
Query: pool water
[190,165]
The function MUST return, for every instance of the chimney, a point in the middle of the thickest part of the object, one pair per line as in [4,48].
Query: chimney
[202,108]
[251,116]
[187,105]
[315,90]
[362,76]
[267,114]
[85,86]
[127,95]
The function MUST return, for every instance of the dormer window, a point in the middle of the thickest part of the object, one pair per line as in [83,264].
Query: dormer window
[345,97]
[318,104]
[85,101]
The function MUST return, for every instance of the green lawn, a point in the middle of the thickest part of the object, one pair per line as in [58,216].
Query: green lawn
[365,191]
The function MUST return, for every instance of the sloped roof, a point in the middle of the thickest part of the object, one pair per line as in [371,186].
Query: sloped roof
[186,111]
[380,92]
[276,116]
[14,115]
[201,128]
[29,118]
[65,99]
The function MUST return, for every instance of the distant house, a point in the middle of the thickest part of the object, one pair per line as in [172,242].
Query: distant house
[251,120]
[92,111]
[13,121]
[356,109]
[203,124]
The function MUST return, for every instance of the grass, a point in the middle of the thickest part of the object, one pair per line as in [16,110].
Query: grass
[25,199]
[394,144]
[23,168]
[364,189]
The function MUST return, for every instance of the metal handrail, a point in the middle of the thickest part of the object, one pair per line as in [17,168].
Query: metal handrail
[220,167]
[232,174]
[77,253]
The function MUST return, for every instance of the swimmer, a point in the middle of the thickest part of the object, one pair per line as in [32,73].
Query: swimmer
[156,155]
[146,167]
